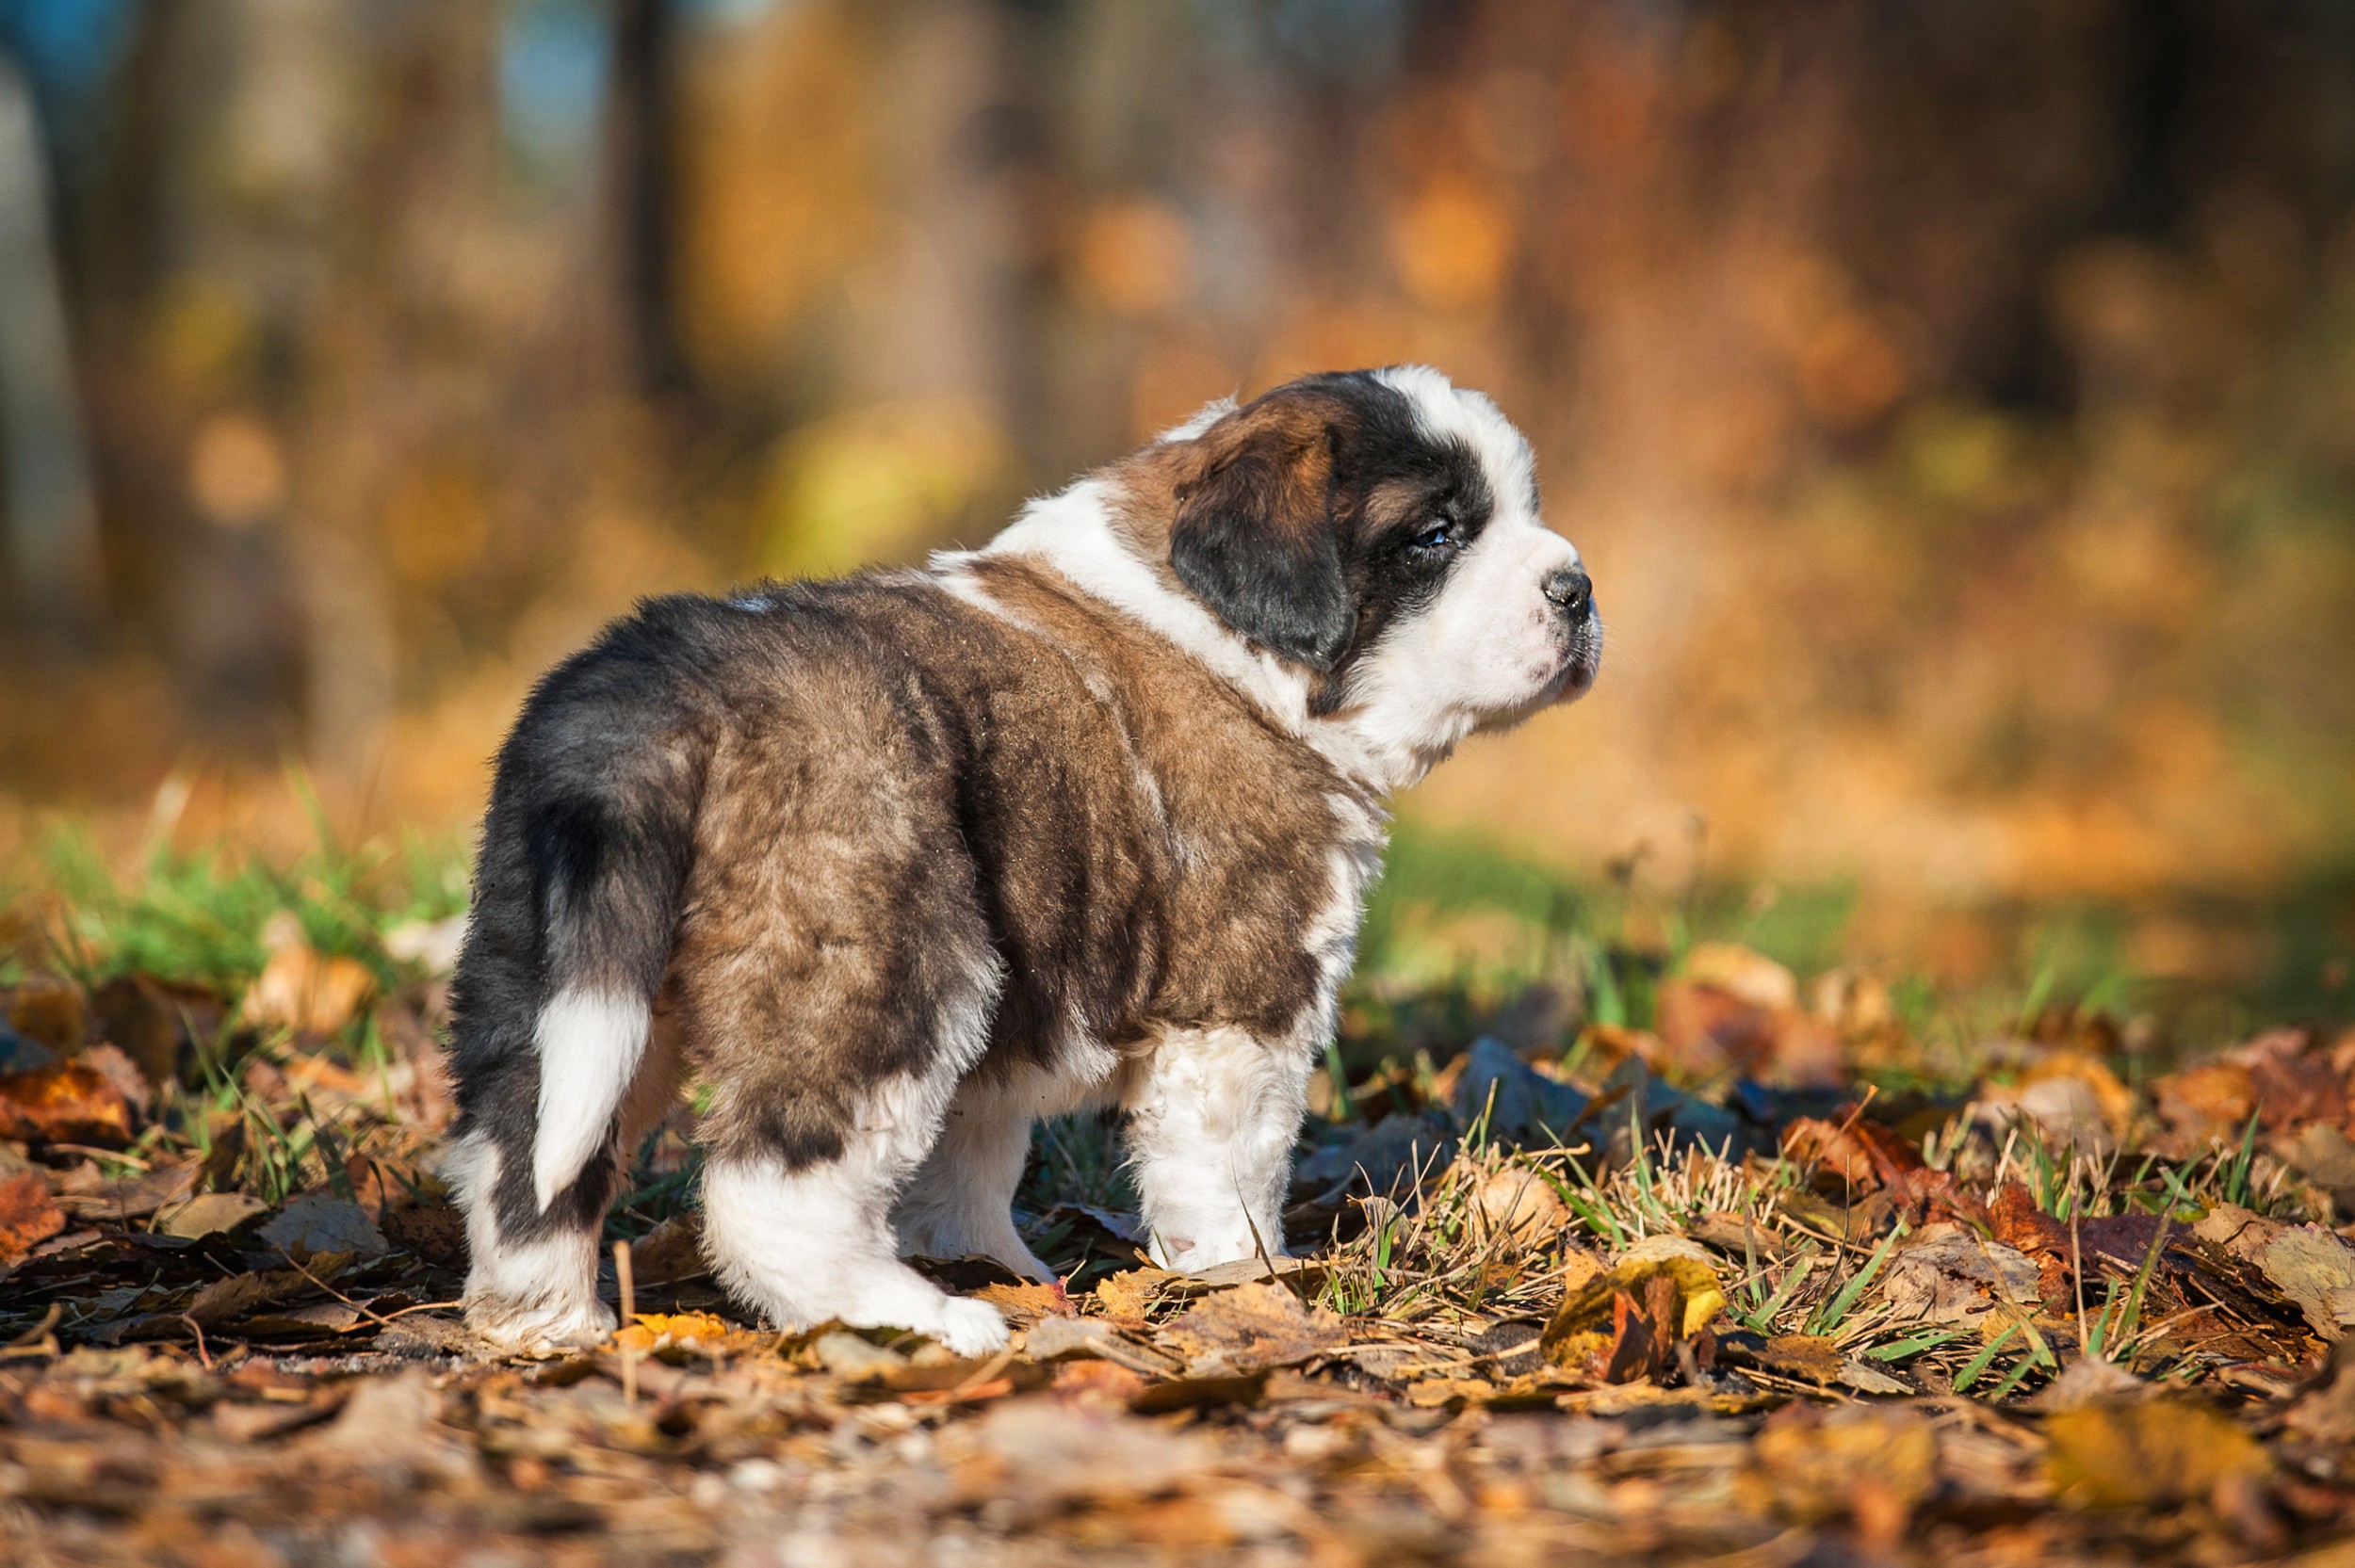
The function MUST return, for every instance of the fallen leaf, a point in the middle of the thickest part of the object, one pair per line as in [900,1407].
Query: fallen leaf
[1705,1031]
[2207,1103]
[1807,1357]
[2147,1454]
[1519,1103]
[1072,1338]
[1131,1295]
[437,1233]
[653,1333]
[853,1359]
[210,1214]
[1947,1273]
[396,1420]
[1208,1391]
[1876,1463]
[29,1216]
[2294,1084]
[2072,1096]
[2315,1271]
[1624,1324]
[1025,1303]
[118,1069]
[137,1197]
[2311,1269]
[1097,1382]
[321,1222]
[1521,1206]
[158,1024]
[230,1296]
[1743,973]
[1830,1146]
[306,991]
[670,1253]
[1251,1327]
[1041,1452]
[65,1102]
[50,1010]
[2090,1380]
[2324,1155]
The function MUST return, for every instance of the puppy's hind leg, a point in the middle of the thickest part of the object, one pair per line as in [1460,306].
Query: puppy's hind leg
[532,1283]
[831,1073]
[961,1203]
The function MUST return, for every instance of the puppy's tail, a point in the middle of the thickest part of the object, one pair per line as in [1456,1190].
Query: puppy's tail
[583,866]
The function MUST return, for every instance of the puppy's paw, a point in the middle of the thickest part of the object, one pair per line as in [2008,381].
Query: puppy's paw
[972,1329]
[538,1325]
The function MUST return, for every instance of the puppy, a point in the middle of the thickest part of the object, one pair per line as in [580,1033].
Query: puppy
[901,864]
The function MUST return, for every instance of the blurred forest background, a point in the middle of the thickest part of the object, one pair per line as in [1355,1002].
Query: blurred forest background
[1955,399]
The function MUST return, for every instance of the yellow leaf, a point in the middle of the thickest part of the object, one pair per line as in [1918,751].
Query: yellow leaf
[2140,1455]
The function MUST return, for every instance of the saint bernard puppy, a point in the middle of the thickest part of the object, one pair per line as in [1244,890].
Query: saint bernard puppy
[897,866]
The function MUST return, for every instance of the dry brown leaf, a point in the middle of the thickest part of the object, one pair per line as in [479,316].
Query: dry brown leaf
[51,1010]
[1026,1302]
[2206,1103]
[321,1222]
[307,992]
[65,1102]
[2072,1096]
[1521,1206]
[1743,973]
[1705,1031]
[137,1197]
[1808,1357]
[1129,1296]
[1251,1327]
[1949,1274]
[1039,1453]
[671,1252]
[1875,1463]
[210,1214]
[29,1216]
[437,1233]
[2313,1269]
[2295,1084]
[2147,1454]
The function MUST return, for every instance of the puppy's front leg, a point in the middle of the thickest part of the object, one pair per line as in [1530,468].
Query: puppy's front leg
[1213,1119]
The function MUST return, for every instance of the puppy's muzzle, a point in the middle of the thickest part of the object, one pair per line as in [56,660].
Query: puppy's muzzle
[1572,591]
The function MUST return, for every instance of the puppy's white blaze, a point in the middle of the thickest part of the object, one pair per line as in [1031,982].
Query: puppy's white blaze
[591,1042]
[1072,532]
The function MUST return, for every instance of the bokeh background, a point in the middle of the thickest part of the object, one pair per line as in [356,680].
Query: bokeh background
[1955,399]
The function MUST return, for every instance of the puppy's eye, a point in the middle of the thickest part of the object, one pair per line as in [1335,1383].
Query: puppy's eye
[1437,534]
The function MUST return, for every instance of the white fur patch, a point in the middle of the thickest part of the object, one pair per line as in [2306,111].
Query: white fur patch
[1072,532]
[1211,1123]
[589,1042]
[803,1246]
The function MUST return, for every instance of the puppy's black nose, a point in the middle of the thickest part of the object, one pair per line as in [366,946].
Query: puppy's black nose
[1571,589]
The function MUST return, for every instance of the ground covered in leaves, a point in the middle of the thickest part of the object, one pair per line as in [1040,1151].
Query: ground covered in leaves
[1658,1256]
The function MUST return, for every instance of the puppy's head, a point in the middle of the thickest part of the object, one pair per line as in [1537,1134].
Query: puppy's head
[1381,529]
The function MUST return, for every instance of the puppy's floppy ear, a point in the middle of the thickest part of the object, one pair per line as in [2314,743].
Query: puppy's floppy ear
[1254,533]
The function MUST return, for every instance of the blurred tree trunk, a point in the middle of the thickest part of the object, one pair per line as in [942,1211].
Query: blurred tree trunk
[52,536]
[642,158]
[957,324]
